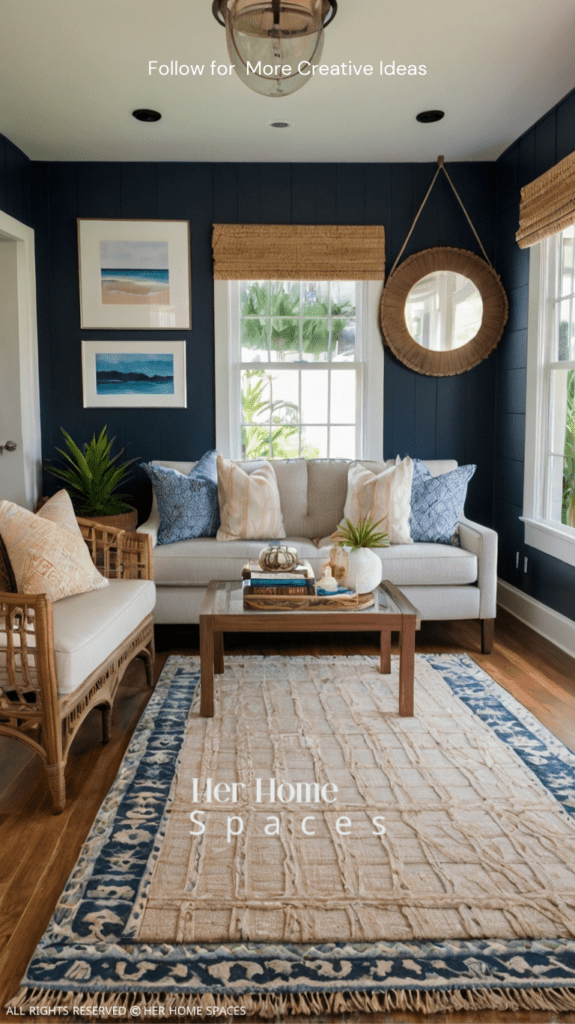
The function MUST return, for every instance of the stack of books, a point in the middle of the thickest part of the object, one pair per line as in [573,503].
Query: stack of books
[259,582]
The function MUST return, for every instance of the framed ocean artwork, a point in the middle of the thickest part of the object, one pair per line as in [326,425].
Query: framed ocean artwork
[134,374]
[134,274]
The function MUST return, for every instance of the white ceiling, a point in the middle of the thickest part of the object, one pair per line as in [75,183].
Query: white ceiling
[71,72]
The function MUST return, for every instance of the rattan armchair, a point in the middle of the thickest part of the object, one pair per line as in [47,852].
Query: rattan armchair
[31,710]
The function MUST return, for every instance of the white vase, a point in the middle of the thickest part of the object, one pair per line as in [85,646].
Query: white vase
[364,572]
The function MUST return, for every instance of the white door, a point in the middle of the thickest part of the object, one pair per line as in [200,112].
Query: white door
[19,391]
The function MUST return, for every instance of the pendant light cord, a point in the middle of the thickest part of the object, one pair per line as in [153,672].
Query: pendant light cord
[440,167]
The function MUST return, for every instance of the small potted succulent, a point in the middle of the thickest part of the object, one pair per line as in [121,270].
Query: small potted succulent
[92,478]
[364,570]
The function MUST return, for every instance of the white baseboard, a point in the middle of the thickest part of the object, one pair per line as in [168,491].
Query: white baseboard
[544,620]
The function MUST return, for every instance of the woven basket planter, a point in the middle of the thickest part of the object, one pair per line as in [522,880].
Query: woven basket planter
[124,521]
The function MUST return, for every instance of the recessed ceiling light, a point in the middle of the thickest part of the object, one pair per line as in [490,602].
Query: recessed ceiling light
[280,124]
[146,115]
[429,116]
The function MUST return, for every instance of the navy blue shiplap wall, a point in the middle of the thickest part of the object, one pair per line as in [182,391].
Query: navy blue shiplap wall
[548,579]
[14,181]
[426,417]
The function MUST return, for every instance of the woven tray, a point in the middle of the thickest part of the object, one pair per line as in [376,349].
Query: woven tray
[306,602]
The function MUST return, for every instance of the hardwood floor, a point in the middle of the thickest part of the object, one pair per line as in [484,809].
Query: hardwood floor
[38,850]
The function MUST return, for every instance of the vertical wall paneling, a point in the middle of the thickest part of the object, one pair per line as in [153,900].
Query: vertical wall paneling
[98,194]
[15,182]
[565,127]
[249,193]
[303,195]
[350,197]
[225,194]
[3,146]
[276,194]
[186,191]
[138,191]
[423,416]
[424,446]
[548,579]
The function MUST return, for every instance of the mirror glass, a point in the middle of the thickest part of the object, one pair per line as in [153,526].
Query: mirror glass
[443,311]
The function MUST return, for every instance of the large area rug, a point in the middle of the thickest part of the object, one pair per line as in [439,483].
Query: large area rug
[309,851]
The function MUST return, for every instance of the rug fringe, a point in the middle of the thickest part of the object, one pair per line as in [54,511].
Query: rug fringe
[305,1004]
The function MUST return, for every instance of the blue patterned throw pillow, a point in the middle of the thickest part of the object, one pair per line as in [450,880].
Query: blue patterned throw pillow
[437,502]
[187,505]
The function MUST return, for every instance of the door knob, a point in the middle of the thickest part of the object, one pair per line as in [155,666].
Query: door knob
[10,446]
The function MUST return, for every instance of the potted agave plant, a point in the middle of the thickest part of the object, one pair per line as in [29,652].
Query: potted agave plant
[364,569]
[92,478]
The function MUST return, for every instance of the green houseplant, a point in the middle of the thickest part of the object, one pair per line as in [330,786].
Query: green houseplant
[92,478]
[364,570]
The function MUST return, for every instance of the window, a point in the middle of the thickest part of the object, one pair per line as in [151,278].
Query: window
[299,369]
[550,456]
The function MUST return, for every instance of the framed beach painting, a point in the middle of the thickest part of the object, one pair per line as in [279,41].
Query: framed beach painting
[134,374]
[134,274]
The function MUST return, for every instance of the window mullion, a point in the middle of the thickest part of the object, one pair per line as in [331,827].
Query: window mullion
[300,427]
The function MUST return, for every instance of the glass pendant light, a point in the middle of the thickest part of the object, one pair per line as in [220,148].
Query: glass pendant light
[274,43]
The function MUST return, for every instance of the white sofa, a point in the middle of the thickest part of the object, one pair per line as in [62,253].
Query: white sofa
[442,581]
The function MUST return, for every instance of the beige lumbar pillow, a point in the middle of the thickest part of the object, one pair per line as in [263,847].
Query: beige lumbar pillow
[384,496]
[249,503]
[47,552]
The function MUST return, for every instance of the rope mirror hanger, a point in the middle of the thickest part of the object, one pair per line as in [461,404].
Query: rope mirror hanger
[443,310]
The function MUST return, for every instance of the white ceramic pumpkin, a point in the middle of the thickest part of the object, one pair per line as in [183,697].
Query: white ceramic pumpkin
[278,558]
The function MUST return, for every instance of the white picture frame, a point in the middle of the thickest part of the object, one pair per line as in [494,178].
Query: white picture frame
[113,374]
[134,274]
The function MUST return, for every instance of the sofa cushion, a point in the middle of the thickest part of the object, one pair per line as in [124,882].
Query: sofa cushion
[249,503]
[312,491]
[437,503]
[7,578]
[291,478]
[382,497]
[193,563]
[187,504]
[47,551]
[424,564]
[89,627]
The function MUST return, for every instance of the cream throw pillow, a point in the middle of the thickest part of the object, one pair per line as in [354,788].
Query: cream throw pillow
[249,503]
[385,496]
[46,551]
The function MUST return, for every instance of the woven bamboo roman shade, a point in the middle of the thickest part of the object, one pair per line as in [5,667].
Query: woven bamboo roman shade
[547,204]
[298,252]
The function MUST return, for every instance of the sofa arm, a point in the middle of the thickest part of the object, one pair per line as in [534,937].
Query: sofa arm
[482,542]
[28,688]
[118,554]
[151,527]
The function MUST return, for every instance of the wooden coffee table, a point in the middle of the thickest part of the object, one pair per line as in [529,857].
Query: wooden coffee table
[223,612]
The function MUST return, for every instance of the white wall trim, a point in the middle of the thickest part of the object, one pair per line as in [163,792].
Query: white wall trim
[536,398]
[30,437]
[553,538]
[374,369]
[544,620]
[223,359]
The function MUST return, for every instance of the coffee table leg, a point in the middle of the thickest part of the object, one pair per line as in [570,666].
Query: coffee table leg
[406,666]
[385,653]
[218,653]
[207,671]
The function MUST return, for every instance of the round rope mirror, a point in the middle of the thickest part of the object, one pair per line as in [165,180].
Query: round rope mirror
[442,311]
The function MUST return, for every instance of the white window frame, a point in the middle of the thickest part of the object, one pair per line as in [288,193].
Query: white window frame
[540,532]
[227,372]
